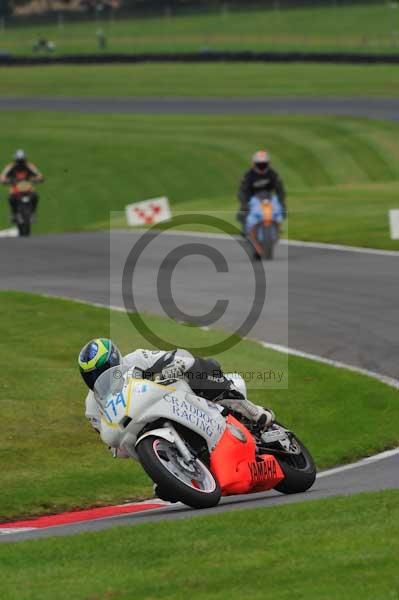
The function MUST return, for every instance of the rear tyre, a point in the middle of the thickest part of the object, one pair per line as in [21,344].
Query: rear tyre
[193,484]
[299,470]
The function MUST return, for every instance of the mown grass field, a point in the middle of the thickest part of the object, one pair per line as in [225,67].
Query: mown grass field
[53,460]
[225,80]
[370,28]
[338,548]
[342,174]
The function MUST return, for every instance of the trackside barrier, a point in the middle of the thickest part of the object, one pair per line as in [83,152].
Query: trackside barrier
[394,223]
[204,57]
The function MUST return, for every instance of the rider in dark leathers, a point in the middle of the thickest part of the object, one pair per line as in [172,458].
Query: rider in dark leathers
[260,178]
[20,169]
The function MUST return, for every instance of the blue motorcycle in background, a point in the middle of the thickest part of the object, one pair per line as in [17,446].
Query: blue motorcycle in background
[263,223]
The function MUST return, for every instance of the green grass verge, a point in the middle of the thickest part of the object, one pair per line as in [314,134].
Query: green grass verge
[342,174]
[341,28]
[52,458]
[243,80]
[338,548]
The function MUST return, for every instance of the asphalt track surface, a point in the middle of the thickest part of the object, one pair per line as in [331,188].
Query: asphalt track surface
[374,108]
[369,476]
[339,305]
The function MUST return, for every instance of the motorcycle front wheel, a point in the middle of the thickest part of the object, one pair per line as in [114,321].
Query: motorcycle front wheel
[269,238]
[191,483]
[24,229]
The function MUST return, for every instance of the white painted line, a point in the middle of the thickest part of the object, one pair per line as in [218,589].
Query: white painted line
[12,232]
[390,381]
[333,363]
[294,243]
[361,463]
[341,248]
[180,233]
[157,501]
[9,530]
[81,301]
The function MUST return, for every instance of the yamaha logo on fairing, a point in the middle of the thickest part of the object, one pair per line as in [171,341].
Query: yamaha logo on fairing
[262,470]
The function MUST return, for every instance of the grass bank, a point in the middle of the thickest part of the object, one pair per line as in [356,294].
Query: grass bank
[52,458]
[213,80]
[337,548]
[369,28]
[342,174]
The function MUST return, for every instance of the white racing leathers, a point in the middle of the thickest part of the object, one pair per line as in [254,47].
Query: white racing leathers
[204,376]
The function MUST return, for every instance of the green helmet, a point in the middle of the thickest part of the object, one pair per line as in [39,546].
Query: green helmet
[96,357]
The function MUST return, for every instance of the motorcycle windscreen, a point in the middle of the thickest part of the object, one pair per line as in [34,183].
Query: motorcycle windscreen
[267,212]
[108,393]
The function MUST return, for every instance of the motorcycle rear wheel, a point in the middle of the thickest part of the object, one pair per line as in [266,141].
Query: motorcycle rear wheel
[193,485]
[299,470]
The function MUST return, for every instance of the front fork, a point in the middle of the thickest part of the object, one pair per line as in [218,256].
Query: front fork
[254,241]
[179,443]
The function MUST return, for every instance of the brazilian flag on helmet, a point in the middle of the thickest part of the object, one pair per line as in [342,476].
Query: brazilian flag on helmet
[96,357]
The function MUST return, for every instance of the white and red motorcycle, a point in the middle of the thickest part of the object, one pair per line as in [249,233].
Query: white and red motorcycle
[190,448]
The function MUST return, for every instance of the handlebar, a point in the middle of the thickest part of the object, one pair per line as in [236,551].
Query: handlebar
[158,379]
[16,181]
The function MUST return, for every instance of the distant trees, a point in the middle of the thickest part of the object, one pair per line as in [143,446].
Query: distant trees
[152,5]
[13,3]
[171,6]
[156,5]
[5,8]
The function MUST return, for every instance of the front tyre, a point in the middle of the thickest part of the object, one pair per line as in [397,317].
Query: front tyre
[191,483]
[24,223]
[24,229]
[299,470]
[268,241]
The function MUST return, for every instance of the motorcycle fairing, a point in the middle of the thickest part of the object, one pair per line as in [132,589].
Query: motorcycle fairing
[267,211]
[22,187]
[237,467]
[259,212]
[144,401]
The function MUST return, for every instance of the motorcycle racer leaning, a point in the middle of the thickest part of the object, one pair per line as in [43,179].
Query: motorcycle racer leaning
[20,170]
[204,376]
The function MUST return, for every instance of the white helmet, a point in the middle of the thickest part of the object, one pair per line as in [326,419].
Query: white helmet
[20,155]
[261,160]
